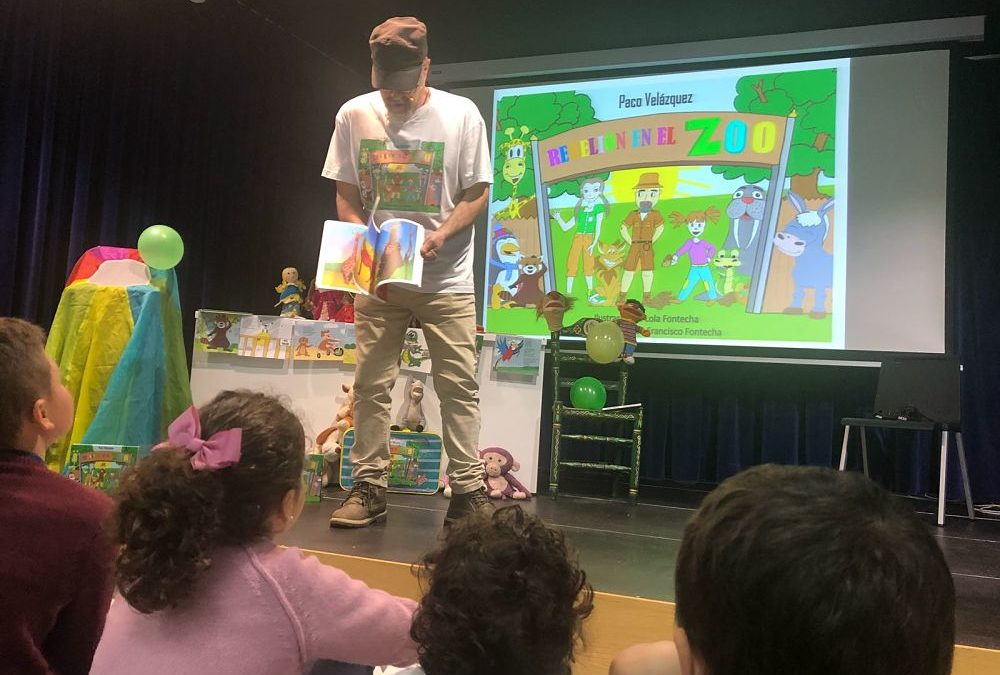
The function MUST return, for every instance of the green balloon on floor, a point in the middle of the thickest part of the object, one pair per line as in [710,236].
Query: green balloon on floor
[588,393]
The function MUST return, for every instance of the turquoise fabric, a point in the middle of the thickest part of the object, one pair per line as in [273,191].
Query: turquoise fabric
[131,409]
[149,387]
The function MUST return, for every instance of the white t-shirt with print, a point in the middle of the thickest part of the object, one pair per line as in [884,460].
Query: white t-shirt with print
[419,167]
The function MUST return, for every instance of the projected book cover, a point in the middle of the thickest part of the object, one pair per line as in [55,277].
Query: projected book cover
[717,199]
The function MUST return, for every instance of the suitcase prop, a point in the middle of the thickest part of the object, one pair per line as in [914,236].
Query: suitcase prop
[414,462]
[100,466]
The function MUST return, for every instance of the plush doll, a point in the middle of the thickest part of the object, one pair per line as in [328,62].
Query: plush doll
[331,439]
[411,414]
[346,312]
[290,293]
[499,481]
[324,305]
[632,312]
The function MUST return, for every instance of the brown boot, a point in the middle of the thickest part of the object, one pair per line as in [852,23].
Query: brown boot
[364,505]
[466,504]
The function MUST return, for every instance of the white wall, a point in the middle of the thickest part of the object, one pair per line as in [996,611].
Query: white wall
[511,409]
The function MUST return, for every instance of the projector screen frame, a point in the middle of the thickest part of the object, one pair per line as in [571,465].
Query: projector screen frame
[960,32]
[688,55]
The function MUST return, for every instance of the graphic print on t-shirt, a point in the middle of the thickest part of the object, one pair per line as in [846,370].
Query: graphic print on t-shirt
[407,179]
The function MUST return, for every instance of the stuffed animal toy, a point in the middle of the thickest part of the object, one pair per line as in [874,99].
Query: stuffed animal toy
[499,481]
[331,439]
[411,414]
[346,312]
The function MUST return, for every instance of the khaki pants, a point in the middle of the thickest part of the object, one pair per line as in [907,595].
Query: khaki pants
[449,324]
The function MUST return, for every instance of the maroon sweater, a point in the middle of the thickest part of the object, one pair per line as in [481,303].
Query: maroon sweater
[55,569]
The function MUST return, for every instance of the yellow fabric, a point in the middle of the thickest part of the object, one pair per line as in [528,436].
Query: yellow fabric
[89,333]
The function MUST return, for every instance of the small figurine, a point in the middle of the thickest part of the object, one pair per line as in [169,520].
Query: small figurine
[290,292]
[632,312]
[554,307]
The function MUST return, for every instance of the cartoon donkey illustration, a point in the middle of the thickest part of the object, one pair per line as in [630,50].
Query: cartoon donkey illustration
[803,239]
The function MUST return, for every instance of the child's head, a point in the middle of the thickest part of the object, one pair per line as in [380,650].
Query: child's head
[171,516]
[504,595]
[35,408]
[810,570]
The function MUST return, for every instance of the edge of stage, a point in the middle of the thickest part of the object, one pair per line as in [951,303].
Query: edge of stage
[613,536]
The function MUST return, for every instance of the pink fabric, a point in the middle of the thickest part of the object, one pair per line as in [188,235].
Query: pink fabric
[262,610]
[700,251]
[93,257]
[219,451]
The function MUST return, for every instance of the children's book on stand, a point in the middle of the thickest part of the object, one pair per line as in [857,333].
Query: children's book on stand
[414,462]
[100,466]
[361,258]
[312,477]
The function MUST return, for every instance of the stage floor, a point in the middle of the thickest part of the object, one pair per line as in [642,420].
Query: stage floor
[630,550]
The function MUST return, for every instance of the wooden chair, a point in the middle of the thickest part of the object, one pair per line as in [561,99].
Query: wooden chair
[621,453]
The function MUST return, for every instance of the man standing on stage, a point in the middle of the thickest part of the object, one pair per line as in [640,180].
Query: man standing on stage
[423,154]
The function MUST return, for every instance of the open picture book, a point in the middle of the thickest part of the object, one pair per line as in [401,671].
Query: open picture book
[360,258]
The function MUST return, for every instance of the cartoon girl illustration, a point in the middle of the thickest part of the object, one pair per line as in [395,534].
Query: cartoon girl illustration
[699,251]
[588,215]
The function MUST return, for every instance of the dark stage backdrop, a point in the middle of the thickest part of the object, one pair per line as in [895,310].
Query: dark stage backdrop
[117,114]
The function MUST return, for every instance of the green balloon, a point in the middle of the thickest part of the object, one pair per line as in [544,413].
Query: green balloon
[605,342]
[588,393]
[161,247]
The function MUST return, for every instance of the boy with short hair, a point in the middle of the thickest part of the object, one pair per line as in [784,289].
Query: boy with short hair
[805,570]
[55,564]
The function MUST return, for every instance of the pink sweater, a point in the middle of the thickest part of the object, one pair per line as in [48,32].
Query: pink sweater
[264,610]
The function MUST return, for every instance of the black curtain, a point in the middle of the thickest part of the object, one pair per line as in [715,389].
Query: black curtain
[118,114]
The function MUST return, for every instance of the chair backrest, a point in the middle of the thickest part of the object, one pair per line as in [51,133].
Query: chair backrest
[930,384]
[617,387]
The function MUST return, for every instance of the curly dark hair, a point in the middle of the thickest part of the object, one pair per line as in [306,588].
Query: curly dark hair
[170,518]
[504,595]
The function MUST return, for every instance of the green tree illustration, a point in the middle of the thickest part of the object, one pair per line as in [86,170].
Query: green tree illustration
[545,115]
[812,95]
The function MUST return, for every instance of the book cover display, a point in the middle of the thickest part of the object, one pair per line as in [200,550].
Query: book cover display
[708,196]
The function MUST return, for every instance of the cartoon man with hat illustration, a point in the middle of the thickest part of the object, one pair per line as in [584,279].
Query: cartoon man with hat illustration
[640,229]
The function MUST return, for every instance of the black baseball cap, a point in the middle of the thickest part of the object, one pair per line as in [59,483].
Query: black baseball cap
[399,47]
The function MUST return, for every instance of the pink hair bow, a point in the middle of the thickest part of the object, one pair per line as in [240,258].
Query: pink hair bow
[222,449]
